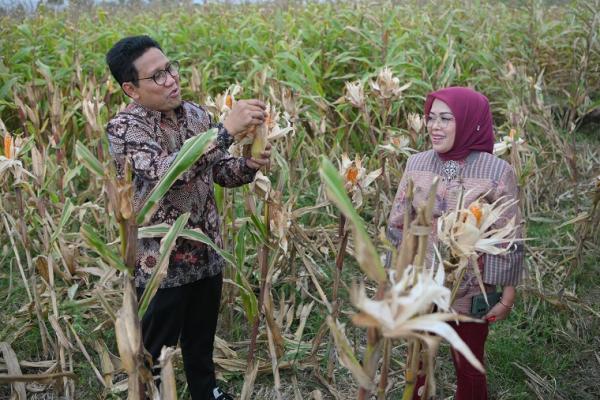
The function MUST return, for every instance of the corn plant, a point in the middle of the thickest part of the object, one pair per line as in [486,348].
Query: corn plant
[66,244]
[401,307]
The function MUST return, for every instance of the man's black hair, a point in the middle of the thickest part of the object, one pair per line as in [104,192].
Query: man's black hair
[121,56]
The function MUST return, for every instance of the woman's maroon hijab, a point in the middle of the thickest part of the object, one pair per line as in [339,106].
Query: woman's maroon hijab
[474,130]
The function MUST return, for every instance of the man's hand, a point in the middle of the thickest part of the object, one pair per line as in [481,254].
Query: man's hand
[244,115]
[265,159]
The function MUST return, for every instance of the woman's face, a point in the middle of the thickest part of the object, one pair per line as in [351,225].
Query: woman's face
[441,126]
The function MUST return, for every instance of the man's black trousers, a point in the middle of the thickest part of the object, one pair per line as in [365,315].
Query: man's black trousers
[189,314]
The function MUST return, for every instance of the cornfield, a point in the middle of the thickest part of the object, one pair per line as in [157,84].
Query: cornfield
[305,242]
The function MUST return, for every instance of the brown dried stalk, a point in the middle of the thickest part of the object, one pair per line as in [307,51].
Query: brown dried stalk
[263,257]
[339,263]
[421,231]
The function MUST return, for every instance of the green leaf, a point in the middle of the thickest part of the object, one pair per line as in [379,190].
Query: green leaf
[249,300]
[219,198]
[240,246]
[366,254]
[66,215]
[93,240]
[160,270]
[160,230]
[262,228]
[7,87]
[85,156]
[54,198]
[190,152]
[72,173]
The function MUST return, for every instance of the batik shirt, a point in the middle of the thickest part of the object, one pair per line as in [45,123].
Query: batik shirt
[480,175]
[151,141]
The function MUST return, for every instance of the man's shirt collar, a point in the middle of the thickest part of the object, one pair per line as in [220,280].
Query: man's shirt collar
[157,115]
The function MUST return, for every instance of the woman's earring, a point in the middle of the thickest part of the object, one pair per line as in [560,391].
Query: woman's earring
[478,127]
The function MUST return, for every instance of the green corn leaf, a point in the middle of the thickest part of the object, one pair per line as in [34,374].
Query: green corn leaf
[66,215]
[27,146]
[190,152]
[160,230]
[7,86]
[72,173]
[160,271]
[85,156]
[262,228]
[240,246]
[96,243]
[219,198]
[249,300]
[366,254]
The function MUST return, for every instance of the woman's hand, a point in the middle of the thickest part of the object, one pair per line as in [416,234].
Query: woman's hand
[503,308]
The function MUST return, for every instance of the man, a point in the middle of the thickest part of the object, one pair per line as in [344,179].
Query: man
[148,134]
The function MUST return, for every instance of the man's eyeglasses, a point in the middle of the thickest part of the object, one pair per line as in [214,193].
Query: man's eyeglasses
[160,76]
[443,120]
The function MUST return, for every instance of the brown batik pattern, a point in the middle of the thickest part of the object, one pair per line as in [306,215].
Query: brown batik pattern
[151,141]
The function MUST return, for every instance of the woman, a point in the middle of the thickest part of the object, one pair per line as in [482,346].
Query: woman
[459,123]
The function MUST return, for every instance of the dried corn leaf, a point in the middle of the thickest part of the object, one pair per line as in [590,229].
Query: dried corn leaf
[249,378]
[436,323]
[62,338]
[87,356]
[306,309]
[40,378]
[14,369]
[106,364]
[347,357]
[30,364]
[274,328]
[168,387]
[316,395]
[127,330]
[223,347]
[365,251]
[41,265]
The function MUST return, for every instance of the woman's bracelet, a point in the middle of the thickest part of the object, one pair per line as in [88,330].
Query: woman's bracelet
[509,307]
